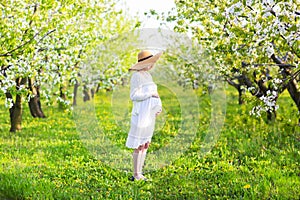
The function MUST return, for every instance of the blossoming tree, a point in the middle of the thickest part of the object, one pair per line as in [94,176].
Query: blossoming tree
[254,44]
[43,44]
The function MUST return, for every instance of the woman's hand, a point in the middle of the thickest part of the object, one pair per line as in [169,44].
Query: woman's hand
[158,112]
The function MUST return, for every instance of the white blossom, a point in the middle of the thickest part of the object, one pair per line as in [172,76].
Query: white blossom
[249,2]
[270,50]
[251,89]
[8,103]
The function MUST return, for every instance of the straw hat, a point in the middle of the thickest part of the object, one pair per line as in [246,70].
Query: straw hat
[145,59]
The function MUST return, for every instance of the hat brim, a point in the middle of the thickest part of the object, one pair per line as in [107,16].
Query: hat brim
[146,63]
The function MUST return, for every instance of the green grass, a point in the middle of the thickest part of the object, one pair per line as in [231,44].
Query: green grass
[51,159]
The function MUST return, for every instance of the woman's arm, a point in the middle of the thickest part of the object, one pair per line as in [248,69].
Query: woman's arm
[138,95]
[136,92]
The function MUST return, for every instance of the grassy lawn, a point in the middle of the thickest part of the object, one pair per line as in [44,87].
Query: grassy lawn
[79,156]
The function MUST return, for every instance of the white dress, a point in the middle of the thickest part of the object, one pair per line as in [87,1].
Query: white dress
[144,109]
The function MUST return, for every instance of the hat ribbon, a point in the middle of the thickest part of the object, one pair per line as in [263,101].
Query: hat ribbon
[140,60]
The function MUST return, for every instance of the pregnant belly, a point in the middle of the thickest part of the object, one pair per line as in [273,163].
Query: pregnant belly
[155,104]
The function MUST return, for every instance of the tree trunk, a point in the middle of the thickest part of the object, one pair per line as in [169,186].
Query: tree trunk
[259,91]
[241,99]
[93,93]
[16,110]
[292,85]
[123,81]
[16,115]
[86,94]
[98,88]
[34,102]
[63,96]
[238,86]
[76,86]
[295,94]
[271,115]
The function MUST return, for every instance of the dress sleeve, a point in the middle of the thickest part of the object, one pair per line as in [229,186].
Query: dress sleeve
[136,92]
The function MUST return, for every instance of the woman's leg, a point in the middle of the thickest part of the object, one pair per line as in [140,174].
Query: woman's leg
[143,157]
[136,162]
[139,156]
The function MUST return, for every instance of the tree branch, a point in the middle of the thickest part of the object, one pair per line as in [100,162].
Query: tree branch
[231,82]
[24,44]
[30,22]
[279,64]
[48,33]
[20,46]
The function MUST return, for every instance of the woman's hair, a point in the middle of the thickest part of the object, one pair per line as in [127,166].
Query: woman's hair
[150,67]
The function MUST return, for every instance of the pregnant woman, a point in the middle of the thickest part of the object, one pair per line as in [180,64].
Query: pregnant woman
[146,106]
